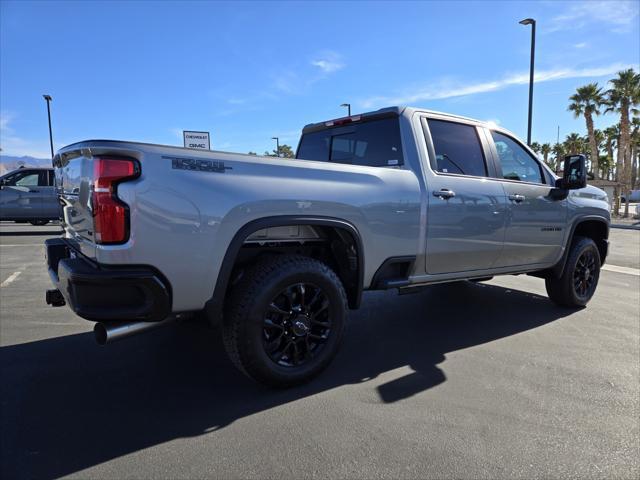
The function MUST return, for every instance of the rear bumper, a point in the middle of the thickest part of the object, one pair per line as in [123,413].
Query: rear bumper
[103,293]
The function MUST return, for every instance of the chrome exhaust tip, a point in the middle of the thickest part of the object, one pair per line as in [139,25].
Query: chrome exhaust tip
[109,332]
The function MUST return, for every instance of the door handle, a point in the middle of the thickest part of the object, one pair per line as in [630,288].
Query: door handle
[444,193]
[517,198]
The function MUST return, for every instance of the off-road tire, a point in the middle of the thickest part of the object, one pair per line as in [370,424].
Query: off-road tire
[562,290]
[244,316]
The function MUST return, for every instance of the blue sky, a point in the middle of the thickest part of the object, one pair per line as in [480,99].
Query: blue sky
[249,71]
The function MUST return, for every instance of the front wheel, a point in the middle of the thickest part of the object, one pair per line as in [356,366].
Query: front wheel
[579,280]
[284,320]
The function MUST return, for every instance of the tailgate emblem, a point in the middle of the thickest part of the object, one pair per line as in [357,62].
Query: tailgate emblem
[197,164]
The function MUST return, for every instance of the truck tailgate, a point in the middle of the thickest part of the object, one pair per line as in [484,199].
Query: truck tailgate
[74,172]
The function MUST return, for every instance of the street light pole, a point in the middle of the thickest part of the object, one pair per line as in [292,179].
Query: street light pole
[277,145]
[348,105]
[532,22]
[48,99]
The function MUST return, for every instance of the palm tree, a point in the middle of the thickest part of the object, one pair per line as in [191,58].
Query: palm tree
[600,138]
[558,151]
[574,144]
[622,98]
[545,149]
[635,153]
[587,101]
[535,146]
[612,134]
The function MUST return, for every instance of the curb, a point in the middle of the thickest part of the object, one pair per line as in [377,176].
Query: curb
[625,227]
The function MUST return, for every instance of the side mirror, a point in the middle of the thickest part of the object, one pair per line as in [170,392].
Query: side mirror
[575,172]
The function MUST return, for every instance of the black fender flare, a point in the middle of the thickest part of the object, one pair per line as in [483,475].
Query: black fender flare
[214,305]
[558,269]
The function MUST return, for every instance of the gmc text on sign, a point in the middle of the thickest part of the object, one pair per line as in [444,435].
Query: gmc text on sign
[196,140]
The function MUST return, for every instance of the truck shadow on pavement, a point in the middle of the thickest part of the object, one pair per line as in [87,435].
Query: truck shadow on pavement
[68,404]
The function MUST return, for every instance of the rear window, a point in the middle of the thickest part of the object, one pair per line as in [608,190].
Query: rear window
[375,144]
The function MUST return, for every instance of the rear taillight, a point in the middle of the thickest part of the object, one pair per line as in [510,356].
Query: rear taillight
[110,214]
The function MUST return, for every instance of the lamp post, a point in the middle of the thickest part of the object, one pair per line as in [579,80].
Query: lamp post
[277,145]
[48,99]
[348,105]
[532,22]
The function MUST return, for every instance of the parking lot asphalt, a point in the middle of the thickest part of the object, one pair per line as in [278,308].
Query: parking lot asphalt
[458,381]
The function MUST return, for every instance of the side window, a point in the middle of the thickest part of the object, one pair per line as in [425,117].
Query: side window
[517,163]
[26,178]
[375,143]
[458,148]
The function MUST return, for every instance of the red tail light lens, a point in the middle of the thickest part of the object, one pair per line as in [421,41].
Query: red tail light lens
[110,214]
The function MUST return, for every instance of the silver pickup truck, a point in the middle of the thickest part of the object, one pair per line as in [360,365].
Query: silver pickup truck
[279,249]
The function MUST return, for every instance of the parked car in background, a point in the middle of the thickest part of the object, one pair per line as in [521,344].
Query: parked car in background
[29,195]
[634,196]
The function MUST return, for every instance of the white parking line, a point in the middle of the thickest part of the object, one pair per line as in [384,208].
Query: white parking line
[22,245]
[617,269]
[10,280]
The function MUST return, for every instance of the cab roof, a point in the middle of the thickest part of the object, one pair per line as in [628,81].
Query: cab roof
[395,111]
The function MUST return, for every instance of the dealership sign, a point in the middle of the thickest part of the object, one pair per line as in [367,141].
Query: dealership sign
[196,140]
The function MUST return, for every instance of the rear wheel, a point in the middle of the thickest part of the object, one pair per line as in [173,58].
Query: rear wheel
[579,280]
[38,223]
[284,321]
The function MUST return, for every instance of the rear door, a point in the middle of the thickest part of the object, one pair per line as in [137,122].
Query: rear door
[20,196]
[535,224]
[466,210]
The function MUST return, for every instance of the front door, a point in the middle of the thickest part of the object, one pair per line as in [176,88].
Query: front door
[535,222]
[466,211]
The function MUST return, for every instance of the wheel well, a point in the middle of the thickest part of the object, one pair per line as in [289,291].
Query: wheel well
[329,240]
[595,230]
[331,245]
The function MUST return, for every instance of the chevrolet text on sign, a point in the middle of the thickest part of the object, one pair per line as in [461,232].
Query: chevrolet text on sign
[196,140]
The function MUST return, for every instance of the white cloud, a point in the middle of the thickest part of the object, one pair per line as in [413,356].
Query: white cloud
[449,89]
[5,118]
[580,45]
[288,81]
[328,62]
[620,16]
[327,66]
[14,145]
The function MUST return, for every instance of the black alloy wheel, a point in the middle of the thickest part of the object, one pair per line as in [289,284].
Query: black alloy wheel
[297,324]
[584,278]
[284,320]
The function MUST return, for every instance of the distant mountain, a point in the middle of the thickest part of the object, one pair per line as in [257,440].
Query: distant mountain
[8,163]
